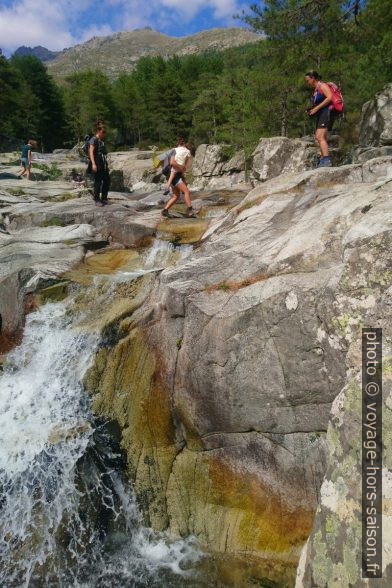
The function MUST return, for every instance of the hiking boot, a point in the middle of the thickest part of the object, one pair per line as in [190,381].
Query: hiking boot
[166,192]
[105,202]
[165,213]
[325,162]
[190,212]
[98,203]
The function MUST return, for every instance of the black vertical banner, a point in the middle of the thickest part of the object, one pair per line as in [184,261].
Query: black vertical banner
[372,453]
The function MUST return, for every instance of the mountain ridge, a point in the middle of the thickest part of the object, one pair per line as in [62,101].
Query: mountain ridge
[39,51]
[120,51]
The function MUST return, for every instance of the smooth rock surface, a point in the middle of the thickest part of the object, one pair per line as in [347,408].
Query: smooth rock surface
[280,155]
[235,359]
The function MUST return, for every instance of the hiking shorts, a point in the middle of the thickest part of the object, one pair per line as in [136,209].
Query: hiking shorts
[177,179]
[25,162]
[325,119]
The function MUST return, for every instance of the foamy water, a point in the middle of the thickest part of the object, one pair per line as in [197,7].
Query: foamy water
[160,255]
[68,516]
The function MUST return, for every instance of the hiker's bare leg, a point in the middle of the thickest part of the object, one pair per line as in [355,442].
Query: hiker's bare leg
[322,138]
[187,195]
[173,199]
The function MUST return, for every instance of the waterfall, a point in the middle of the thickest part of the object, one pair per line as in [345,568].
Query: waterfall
[160,255]
[68,516]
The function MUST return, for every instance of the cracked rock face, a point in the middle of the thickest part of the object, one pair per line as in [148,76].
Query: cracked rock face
[280,155]
[224,380]
[220,166]
[376,121]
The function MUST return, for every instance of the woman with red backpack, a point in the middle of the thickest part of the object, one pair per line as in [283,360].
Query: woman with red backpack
[327,102]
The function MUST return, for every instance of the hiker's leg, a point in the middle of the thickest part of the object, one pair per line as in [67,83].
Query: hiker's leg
[322,139]
[187,195]
[173,199]
[105,184]
[28,172]
[97,184]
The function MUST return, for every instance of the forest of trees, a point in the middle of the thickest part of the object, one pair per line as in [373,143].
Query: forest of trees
[234,96]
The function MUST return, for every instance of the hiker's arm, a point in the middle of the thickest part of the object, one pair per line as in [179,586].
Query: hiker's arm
[29,156]
[176,165]
[327,100]
[94,165]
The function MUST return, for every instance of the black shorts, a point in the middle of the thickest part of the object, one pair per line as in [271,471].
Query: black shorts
[325,119]
[177,178]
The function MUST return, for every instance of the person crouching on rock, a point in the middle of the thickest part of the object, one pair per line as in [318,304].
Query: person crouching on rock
[98,165]
[180,162]
[325,118]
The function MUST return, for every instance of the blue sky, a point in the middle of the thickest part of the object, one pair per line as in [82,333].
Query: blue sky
[56,24]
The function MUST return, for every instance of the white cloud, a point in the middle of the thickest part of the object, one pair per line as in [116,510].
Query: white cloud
[143,12]
[95,31]
[30,23]
[221,8]
[56,24]
[39,22]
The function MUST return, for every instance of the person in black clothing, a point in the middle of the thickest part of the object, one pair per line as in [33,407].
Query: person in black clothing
[98,165]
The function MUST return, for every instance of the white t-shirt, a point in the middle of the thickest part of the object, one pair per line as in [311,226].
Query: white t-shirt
[181,155]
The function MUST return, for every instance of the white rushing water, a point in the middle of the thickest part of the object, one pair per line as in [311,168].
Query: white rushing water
[157,257]
[67,514]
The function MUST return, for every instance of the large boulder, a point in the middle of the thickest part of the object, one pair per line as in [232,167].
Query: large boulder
[221,166]
[224,381]
[281,155]
[129,168]
[363,154]
[376,120]
[28,262]
[218,166]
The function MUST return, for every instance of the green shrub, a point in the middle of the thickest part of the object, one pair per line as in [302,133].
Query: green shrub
[55,221]
[16,191]
[50,172]
[227,152]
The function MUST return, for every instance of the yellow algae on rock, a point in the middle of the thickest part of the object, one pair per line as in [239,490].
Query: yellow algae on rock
[182,230]
[104,263]
[127,387]
[234,512]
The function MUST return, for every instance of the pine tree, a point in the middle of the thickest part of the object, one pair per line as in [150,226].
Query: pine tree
[88,97]
[47,114]
[18,106]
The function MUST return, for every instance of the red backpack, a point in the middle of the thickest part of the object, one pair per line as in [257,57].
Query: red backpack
[337,98]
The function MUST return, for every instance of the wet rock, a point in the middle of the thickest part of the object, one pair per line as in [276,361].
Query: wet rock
[55,293]
[104,263]
[224,386]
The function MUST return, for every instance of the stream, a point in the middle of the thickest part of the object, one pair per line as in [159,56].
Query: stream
[68,516]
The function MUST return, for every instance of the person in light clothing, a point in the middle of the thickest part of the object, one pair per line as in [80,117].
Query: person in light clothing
[182,157]
[180,162]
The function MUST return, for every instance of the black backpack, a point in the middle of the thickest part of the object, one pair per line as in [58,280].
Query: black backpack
[166,158]
[86,146]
